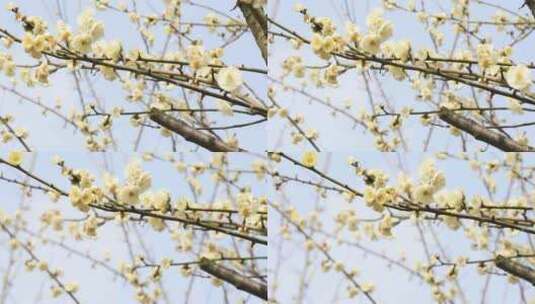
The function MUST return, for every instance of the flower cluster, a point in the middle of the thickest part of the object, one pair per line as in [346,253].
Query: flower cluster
[379,30]
[83,193]
[294,65]
[137,181]
[323,46]
[36,44]
[89,31]
[376,193]
[7,65]
[431,181]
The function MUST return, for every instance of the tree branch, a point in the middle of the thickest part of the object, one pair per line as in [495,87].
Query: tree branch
[481,133]
[257,22]
[515,268]
[233,277]
[531,5]
[205,140]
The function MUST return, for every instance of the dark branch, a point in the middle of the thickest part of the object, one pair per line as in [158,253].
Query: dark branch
[531,5]
[257,22]
[481,133]
[515,268]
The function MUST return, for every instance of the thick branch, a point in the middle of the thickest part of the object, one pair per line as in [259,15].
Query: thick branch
[531,5]
[517,269]
[481,133]
[233,277]
[203,139]
[257,22]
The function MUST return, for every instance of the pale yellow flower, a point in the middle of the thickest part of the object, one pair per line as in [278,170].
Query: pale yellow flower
[81,43]
[64,31]
[15,158]
[486,56]
[113,50]
[385,31]
[515,106]
[71,287]
[519,77]
[212,21]
[309,158]
[229,78]
[371,43]
[331,74]
[402,50]
[352,31]
[225,107]
[41,73]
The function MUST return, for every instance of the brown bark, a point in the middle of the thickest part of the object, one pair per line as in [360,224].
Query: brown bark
[481,133]
[203,139]
[515,268]
[233,277]
[257,21]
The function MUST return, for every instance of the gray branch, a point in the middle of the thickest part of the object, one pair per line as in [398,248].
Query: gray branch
[531,5]
[257,21]
[233,277]
[203,139]
[481,133]
[515,268]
